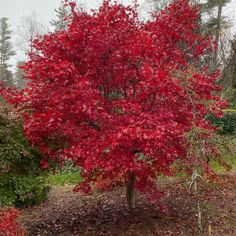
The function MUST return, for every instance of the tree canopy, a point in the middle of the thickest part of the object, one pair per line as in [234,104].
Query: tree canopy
[119,96]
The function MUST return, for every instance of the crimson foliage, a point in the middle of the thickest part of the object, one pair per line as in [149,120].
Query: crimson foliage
[9,224]
[118,95]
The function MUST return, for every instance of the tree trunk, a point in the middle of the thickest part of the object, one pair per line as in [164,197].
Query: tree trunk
[130,191]
[217,36]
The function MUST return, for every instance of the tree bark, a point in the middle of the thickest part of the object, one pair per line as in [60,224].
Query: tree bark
[130,191]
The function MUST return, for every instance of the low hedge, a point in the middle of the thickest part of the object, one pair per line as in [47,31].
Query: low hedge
[226,124]
[20,181]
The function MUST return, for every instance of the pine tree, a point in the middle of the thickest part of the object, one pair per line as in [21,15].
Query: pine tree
[6,51]
[160,4]
[6,48]
[62,13]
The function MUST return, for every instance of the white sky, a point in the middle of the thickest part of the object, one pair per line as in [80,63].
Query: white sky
[15,9]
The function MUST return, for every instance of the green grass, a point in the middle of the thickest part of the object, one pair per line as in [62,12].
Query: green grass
[74,177]
[64,178]
[230,160]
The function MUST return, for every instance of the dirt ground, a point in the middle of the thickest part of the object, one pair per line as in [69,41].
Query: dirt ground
[66,213]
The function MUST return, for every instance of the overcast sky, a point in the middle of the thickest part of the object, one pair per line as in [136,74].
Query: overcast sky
[16,9]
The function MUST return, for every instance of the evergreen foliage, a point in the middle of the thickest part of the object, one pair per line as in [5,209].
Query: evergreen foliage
[6,52]
[61,20]
[20,181]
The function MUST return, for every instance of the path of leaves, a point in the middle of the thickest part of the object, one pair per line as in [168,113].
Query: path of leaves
[68,213]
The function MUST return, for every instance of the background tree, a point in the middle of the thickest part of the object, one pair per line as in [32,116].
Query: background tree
[216,25]
[228,80]
[159,5]
[230,69]
[62,14]
[6,51]
[20,81]
[30,28]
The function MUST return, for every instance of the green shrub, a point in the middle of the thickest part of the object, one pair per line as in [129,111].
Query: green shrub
[226,124]
[22,190]
[230,96]
[20,181]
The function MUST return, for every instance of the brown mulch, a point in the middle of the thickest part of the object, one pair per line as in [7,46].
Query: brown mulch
[66,213]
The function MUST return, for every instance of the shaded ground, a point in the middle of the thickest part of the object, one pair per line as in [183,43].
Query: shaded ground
[68,213]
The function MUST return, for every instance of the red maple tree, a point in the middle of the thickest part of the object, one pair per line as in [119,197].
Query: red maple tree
[118,96]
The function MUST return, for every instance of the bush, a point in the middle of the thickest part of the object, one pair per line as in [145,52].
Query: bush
[226,124]
[20,190]
[9,224]
[20,183]
[230,96]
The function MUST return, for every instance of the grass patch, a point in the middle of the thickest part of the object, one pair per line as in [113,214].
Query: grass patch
[66,178]
[230,160]
[214,164]
[74,177]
